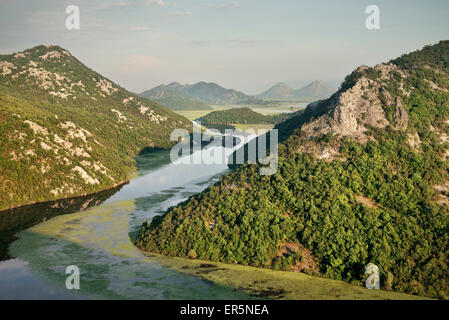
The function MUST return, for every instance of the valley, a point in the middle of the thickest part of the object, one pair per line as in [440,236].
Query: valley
[277,112]
[99,238]
[380,138]
[362,178]
[226,158]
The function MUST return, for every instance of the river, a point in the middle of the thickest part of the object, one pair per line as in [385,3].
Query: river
[95,233]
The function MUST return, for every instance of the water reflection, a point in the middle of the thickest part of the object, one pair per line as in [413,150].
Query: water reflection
[13,221]
[99,239]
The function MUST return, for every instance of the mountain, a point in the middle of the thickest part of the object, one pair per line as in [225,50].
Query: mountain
[334,83]
[240,116]
[280,90]
[316,90]
[174,89]
[67,131]
[362,178]
[207,92]
[179,103]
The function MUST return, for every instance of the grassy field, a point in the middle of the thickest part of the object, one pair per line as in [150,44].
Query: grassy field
[255,127]
[263,109]
[194,114]
[276,110]
[264,283]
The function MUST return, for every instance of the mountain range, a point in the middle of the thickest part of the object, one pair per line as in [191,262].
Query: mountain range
[315,90]
[67,131]
[206,92]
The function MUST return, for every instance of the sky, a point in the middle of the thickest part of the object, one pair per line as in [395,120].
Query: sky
[246,45]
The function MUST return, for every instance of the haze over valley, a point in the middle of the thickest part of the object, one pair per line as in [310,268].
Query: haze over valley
[205,151]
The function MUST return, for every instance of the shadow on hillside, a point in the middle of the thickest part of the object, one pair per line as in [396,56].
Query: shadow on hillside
[13,221]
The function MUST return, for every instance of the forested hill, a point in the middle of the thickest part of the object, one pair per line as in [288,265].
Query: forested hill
[240,115]
[179,104]
[65,130]
[362,178]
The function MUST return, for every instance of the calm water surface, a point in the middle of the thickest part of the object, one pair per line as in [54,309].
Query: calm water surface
[95,233]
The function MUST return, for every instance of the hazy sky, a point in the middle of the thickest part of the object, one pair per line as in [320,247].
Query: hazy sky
[242,44]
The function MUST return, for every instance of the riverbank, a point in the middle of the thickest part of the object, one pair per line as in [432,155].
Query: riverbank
[13,221]
[285,285]
[18,207]
[97,240]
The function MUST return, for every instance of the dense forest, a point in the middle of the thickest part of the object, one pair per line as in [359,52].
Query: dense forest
[240,116]
[67,131]
[381,199]
[180,103]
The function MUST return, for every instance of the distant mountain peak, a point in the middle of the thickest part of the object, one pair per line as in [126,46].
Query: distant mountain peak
[279,90]
[206,92]
[318,83]
[281,84]
[317,89]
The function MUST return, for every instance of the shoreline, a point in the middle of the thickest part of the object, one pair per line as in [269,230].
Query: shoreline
[66,198]
[273,284]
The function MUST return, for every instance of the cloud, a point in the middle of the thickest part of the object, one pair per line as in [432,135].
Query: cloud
[230,5]
[97,28]
[42,18]
[161,3]
[135,3]
[138,63]
[178,14]
[243,42]
[224,5]
[139,28]
[200,42]
[114,4]
[183,13]
[233,42]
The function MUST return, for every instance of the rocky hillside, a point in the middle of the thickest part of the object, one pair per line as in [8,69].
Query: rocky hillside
[207,92]
[366,103]
[362,178]
[65,130]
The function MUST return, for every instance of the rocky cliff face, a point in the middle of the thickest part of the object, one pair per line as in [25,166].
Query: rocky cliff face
[350,112]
